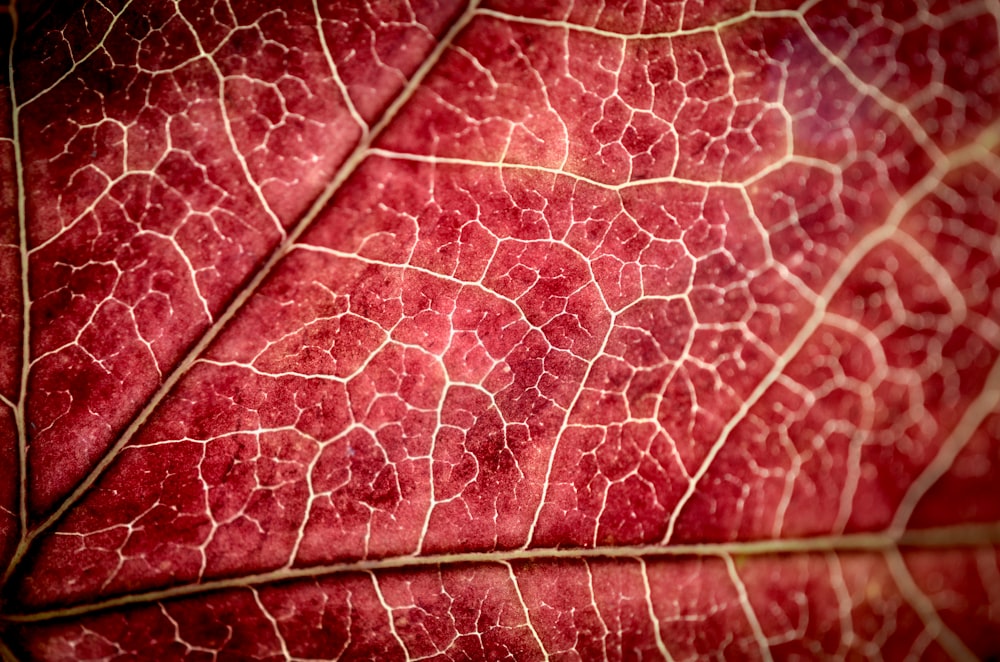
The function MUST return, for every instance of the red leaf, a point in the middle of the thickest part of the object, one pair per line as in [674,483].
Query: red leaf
[503,331]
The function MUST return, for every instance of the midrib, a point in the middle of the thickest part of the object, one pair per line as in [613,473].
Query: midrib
[951,537]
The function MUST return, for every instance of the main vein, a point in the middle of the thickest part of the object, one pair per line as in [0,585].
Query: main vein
[884,543]
[20,420]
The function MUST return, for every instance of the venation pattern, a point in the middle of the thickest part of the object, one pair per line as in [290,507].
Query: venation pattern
[508,330]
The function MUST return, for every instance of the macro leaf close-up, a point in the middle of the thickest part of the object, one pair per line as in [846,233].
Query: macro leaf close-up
[502,330]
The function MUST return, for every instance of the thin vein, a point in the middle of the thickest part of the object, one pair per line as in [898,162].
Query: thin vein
[337,80]
[666,34]
[925,608]
[651,612]
[739,185]
[983,405]
[527,612]
[741,591]
[234,147]
[76,63]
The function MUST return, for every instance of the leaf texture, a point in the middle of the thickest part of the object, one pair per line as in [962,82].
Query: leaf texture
[502,330]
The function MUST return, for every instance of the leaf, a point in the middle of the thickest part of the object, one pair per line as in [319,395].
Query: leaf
[500,331]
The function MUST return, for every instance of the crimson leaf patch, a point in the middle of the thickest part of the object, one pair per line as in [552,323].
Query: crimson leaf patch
[500,330]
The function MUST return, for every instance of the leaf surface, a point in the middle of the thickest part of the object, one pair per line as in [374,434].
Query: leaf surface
[507,330]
